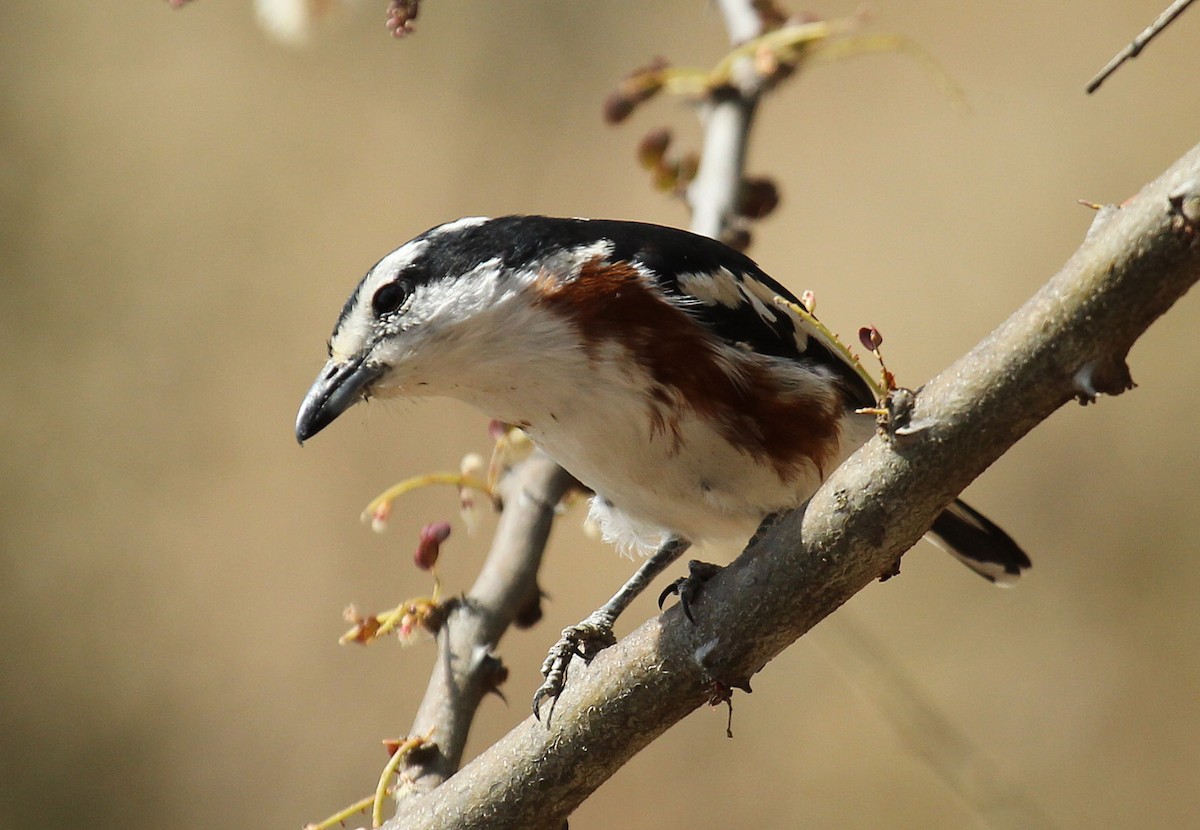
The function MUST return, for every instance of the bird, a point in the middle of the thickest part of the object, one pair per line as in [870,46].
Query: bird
[653,364]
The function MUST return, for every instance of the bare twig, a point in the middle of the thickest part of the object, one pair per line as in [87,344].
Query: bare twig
[1069,341]
[713,194]
[466,668]
[1136,46]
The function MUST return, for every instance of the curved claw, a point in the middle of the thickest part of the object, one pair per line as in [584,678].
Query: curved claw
[688,587]
[683,589]
[585,640]
[541,694]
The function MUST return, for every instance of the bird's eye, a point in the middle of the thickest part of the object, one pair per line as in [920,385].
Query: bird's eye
[389,298]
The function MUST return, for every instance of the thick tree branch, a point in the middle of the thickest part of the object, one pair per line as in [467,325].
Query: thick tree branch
[1069,341]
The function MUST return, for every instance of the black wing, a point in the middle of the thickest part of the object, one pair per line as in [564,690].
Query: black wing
[685,264]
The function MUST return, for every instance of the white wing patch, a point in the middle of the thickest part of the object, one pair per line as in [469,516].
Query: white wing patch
[718,287]
[568,262]
[763,294]
[458,225]
[803,326]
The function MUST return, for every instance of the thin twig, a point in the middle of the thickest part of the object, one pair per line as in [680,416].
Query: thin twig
[712,195]
[1136,46]
[466,669]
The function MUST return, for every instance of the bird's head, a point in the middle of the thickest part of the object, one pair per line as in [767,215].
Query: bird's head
[453,312]
[408,311]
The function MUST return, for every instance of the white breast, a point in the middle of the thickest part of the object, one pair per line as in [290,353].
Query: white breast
[659,464]
[670,474]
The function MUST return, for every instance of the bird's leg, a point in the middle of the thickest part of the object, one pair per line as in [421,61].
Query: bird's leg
[594,634]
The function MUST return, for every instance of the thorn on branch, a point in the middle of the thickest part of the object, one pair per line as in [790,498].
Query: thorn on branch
[1104,376]
[1103,214]
[1185,204]
[897,418]
[529,614]
[891,570]
[494,674]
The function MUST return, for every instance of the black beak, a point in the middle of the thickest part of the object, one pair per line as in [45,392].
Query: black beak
[336,389]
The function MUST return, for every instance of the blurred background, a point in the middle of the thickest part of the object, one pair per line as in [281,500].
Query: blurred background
[184,205]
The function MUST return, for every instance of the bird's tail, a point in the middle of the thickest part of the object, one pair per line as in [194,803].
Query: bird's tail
[977,542]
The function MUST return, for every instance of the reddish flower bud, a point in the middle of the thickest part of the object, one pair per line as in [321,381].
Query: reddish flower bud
[870,337]
[617,107]
[429,544]
[380,516]
[653,147]
[757,197]
[639,86]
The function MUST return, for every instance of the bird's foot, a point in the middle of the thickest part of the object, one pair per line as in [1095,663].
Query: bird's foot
[688,587]
[585,640]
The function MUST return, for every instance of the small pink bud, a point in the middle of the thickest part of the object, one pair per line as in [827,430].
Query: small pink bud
[401,14]
[766,62]
[809,300]
[429,545]
[380,516]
